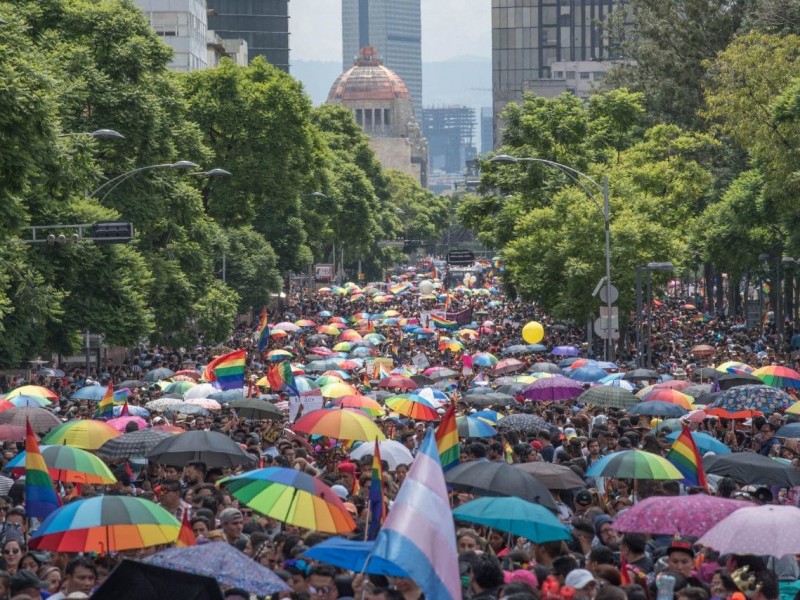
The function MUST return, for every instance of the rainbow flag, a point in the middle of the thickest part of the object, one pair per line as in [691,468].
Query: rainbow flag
[435,272]
[280,376]
[185,535]
[442,323]
[446,303]
[263,331]
[40,497]
[687,460]
[447,439]
[226,372]
[125,412]
[377,502]
[105,410]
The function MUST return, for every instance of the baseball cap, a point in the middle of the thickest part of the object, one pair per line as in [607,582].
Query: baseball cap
[681,545]
[230,514]
[340,491]
[583,497]
[570,433]
[578,579]
[351,508]
[536,445]
[22,580]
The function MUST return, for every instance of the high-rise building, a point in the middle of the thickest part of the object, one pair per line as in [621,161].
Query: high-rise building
[394,29]
[183,25]
[528,36]
[263,24]
[449,131]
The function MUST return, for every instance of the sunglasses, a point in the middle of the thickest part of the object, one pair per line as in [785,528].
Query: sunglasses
[319,590]
[247,513]
[12,551]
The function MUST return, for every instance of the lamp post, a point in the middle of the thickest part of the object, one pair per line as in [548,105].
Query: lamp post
[336,272]
[116,181]
[98,134]
[577,177]
[649,268]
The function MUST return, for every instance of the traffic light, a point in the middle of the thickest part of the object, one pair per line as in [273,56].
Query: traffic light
[112,232]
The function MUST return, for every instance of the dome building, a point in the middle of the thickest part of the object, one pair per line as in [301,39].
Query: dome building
[385,111]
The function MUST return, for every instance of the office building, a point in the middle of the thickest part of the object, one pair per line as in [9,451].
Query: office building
[394,29]
[487,134]
[183,24]
[528,36]
[263,24]
[383,108]
[449,131]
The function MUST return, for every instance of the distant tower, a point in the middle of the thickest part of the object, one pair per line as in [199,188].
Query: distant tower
[384,109]
[394,28]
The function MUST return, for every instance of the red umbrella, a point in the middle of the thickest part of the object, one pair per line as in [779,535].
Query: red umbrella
[398,382]
[189,373]
[12,433]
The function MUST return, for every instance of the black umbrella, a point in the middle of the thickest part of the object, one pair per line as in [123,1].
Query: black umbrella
[751,468]
[729,380]
[254,408]
[486,478]
[640,374]
[696,391]
[422,380]
[213,448]
[522,422]
[792,430]
[481,400]
[516,349]
[133,580]
[706,373]
[510,388]
[555,477]
[546,367]
[131,383]
[136,443]
[158,374]
[443,373]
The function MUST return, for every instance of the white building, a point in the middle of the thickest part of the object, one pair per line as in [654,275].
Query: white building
[579,77]
[184,25]
[219,48]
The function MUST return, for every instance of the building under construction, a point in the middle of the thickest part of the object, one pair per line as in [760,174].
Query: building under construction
[449,131]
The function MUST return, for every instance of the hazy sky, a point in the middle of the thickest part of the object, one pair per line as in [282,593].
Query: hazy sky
[450,28]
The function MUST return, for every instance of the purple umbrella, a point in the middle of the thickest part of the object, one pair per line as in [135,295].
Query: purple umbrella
[761,530]
[689,516]
[565,351]
[553,388]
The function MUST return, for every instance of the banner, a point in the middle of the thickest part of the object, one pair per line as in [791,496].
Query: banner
[310,400]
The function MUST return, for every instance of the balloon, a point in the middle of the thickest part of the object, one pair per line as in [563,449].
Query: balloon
[425,287]
[533,332]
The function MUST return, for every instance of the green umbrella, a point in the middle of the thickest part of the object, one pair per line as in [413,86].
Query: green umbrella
[255,408]
[608,396]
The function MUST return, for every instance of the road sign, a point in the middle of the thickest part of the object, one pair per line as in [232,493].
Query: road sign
[606,328]
[323,272]
[391,243]
[604,293]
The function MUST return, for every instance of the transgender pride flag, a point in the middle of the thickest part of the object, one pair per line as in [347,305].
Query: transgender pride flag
[418,535]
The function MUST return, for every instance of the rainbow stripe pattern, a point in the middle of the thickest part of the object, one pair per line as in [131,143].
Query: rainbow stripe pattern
[40,497]
[447,439]
[105,410]
[263,331]
[686,458]
[377,502]
[226,372]
[280,377]
[442,323]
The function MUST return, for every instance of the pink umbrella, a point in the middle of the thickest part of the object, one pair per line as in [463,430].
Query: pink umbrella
[206,403]
[120,423]
[696,416]
[762,530]
[322,351]
[508,365]
[677,515]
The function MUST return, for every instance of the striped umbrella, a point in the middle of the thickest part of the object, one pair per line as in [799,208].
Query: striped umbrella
[634,464]
[89,435]
[470,427]
[292,497]
[779,377]
[106,524]
[341,424]
[671,396]
[412,406]
[66,463]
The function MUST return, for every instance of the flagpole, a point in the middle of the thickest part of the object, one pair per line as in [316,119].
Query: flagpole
[367,520]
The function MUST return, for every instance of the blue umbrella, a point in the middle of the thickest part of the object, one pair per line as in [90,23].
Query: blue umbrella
[224,563]
[704,442]
[226,396]
[352,555]
[589,374]
[516,516]
[565,351]
[537,348]
[96,392]
[136,411]
[471,428]
[612,377]
[657,408]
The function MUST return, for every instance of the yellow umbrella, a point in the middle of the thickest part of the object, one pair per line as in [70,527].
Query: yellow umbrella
[32,390]
[339,423]
[336,390]
[85,434]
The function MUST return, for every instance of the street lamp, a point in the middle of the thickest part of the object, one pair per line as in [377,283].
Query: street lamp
[649,268]
[337,273]
[605,211]
[181,164]
[98,134]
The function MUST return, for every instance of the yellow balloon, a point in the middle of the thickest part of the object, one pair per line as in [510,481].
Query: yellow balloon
[533,332]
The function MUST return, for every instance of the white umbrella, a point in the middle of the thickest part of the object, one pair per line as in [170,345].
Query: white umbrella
[392,452]
[762,530]
[201,390]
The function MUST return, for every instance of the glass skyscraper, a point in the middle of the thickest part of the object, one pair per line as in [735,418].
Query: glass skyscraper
[394,29]
[263,24]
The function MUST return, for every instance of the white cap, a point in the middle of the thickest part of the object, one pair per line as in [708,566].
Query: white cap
[578,579]
[340,491]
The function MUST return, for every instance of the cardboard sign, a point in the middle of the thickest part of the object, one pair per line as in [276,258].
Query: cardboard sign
[310,400]
[420,361]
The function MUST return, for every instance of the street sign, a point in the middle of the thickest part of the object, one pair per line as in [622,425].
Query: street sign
[604,293]
[460,257]
[391,243]
[323,272]
[606,328]
[753,314]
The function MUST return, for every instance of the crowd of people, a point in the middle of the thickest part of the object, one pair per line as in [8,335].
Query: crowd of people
[596,563]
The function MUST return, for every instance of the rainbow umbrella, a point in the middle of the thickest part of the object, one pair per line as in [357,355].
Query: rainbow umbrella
[358,402]
[32,390]
[398,382]
[25,400]
[634,464]
[292,497]
[470,427]
[329,378]
[66,463]
[179,387]
[305,323]
[106,524]
[484,359]
[339,424]
[350,335]
[279,355]
[407,406]
[89,435]
[779,377]
[328,330]
[343,347]
[671,396]
[733,366]
[334,390]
